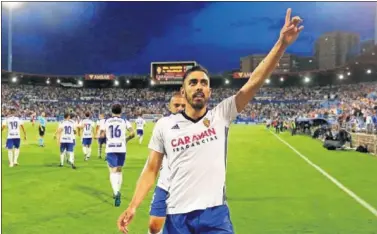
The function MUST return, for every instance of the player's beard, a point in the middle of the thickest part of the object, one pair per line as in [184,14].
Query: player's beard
[196,105]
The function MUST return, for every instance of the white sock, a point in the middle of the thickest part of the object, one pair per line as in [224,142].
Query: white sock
[10,157]
[140,140]
[88,152]
[16,154]
[84,150]
[114,182]
[120,180]
[62,156]
[71,157]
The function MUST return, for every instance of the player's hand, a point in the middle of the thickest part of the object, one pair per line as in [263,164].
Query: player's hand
[291,28]
[125,219]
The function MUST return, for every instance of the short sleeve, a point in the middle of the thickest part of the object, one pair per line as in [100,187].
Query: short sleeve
[226,110]
[157,140]
[4,122]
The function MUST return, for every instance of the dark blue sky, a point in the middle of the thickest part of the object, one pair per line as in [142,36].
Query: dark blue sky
[124,37]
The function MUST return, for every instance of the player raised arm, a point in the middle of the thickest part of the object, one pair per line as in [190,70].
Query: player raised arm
[288,35]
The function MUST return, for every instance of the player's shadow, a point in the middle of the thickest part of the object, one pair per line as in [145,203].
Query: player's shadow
[100,195]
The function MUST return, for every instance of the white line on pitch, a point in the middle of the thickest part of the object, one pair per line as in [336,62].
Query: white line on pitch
[332,179]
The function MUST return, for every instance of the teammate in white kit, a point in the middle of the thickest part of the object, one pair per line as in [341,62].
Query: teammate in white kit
[158,207]
[87,127]
[13,124]
[115,130]
[66,139]
[140,123]
[195,145]
[101,140]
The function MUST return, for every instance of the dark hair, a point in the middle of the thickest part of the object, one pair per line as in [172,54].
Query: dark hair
[87,114]
[66,115]
[116,109]
[193,69]
[72,115]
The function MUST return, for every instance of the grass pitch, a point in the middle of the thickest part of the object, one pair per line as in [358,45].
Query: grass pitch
[270,188]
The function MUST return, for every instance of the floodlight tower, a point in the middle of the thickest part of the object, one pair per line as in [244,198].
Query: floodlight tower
[11,6]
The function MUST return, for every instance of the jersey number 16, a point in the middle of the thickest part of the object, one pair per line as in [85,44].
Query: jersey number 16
[115,132]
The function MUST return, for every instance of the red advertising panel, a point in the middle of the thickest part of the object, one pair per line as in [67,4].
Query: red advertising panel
[99,77]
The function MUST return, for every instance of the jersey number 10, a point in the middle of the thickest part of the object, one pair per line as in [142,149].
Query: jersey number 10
[67,130]
[115,132]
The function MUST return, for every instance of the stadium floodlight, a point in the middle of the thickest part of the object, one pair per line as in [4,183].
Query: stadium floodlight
[268,81]
[356,62]
[127,81]
[58,81]
[116,82]
[47,81]
[80,82]
[307,79]
[369,71]
[348,73]
[281,79]
[341,76]
[373,53]
[226,81]
[14,79]
[152,82]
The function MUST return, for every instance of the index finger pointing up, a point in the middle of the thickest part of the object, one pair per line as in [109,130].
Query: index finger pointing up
[288,16]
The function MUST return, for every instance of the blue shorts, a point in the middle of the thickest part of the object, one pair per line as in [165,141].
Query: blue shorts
[139,132]
[158,206]
[87,141]
[67,147]
[214,220]
[13,143]
[115,159]
[101,141]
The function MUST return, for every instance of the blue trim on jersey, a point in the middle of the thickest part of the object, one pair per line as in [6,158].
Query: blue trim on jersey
[158,205]
[214,220]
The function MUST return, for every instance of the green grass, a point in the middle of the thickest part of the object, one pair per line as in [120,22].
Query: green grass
[270,188]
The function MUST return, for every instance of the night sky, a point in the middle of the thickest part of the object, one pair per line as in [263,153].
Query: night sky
[124,37]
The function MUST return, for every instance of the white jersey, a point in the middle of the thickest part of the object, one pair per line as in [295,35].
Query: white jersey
[116,129]
[196,155]
[164,180]
[101,124]
[13,124]
[68,131]
[87,126]
[140,123]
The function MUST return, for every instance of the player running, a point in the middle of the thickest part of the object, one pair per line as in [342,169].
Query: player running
[101,140]
[13,143]
[115,131]
[42,128]
[195,145]
[87,127]
[66,137]
[158,207]
[140,124]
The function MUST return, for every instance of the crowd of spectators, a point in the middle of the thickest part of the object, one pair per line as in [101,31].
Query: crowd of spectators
[345,102]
